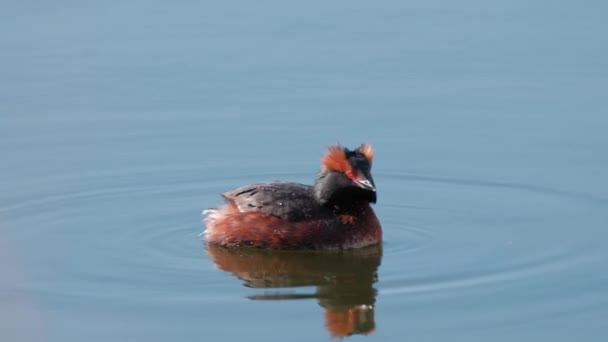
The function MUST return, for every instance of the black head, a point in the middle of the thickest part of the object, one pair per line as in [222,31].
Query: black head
[345,176]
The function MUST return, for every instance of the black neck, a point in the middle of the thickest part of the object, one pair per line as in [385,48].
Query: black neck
[333,188]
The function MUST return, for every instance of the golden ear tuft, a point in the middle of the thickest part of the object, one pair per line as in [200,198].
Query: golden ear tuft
[335,159]
[366,150]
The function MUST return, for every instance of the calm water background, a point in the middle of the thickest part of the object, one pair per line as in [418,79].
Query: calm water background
[120,122]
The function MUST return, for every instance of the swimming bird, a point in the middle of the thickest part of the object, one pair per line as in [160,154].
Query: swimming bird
[333,213]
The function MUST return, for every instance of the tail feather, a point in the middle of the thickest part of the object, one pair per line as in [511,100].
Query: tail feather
[209,215]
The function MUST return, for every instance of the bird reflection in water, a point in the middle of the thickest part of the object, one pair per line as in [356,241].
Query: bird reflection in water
[344,280]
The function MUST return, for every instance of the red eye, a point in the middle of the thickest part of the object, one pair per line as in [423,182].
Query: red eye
[350,175]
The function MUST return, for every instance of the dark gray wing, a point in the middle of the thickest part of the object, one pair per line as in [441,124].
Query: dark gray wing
[288,201]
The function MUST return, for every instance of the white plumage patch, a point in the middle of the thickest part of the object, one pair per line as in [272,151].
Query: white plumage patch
[209,215]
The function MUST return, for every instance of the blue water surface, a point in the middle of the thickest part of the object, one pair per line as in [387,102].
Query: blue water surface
[121,121]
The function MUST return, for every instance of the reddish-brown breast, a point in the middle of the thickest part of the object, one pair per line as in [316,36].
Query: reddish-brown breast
[356,228]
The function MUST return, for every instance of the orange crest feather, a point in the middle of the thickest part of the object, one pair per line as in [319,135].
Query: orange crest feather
[335,159]
[367,150]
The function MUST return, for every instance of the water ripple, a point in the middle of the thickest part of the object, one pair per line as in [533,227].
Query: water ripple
[447,243]
[428,245]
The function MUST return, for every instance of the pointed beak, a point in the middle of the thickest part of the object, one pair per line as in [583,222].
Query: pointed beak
[366,184]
